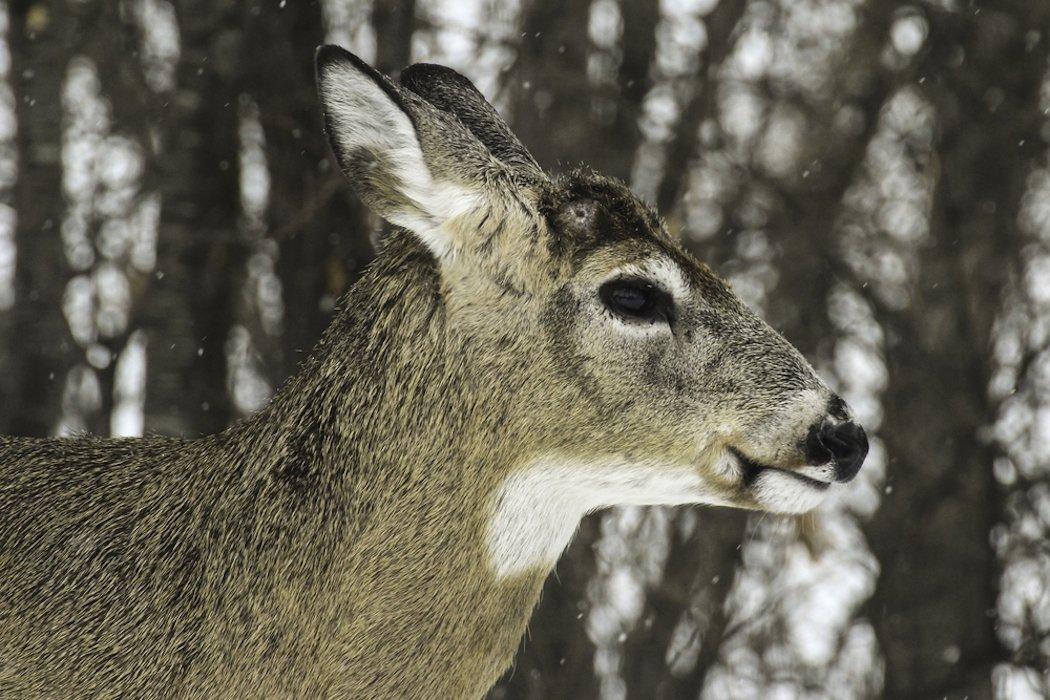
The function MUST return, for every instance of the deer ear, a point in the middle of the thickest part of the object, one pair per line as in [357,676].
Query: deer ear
[407,164]
[453,93]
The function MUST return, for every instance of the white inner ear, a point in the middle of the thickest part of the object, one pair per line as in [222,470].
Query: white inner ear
[363,116]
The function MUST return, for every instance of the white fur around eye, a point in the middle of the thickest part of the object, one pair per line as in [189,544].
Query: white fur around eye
[634,327]
[661,273]
[670,278]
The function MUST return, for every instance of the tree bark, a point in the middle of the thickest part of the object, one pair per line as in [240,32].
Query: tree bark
[200,253]
[320,229]
[41,349]
[393,21]
[934,607]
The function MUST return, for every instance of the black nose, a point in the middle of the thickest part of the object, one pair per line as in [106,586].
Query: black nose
[844,443]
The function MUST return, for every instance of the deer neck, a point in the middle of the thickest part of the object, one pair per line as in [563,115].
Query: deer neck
[377,430]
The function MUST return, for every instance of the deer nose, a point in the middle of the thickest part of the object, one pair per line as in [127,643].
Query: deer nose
[844,444]
[847,444]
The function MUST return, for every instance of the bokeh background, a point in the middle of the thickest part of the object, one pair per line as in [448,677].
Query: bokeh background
[871,175]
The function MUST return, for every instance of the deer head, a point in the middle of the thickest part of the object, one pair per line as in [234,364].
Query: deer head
[623,370]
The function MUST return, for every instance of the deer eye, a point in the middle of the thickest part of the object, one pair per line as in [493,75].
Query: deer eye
[637,299]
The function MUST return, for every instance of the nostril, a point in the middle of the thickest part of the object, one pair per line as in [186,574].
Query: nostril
[848,445]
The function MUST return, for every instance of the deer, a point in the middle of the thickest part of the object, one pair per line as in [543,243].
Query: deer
[525,349]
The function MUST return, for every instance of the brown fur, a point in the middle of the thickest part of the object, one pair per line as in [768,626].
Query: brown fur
[304,552]
[334,545]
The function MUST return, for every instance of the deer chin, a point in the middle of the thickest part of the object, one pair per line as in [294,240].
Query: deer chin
[780,490]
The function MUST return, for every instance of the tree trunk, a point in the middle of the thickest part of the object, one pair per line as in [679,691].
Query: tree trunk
[393,21]
[41,349]
[200,253]
[690,596]
[933,609]
[321,231]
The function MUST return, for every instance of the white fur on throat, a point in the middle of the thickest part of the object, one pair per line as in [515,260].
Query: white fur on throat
[538,508]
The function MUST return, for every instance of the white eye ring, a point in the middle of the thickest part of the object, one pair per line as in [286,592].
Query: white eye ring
[658,273]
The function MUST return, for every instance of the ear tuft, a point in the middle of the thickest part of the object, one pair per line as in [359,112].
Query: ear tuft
[330,56]
[454,94]
[340,74]
[372,131]
[413,164]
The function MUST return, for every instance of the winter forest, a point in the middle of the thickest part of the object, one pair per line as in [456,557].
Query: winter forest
[871,176]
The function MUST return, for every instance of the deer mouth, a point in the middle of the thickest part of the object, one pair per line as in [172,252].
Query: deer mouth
[752,470]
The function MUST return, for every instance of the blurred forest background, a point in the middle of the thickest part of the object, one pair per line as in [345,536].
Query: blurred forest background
[871,175]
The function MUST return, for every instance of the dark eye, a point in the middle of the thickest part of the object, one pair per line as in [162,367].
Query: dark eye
[636,299]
